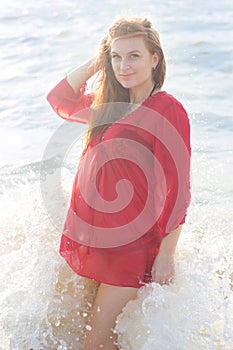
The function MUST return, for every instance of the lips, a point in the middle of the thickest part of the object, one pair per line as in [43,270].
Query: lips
[125,76]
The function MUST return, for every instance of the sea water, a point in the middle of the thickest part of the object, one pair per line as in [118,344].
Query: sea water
[43,304]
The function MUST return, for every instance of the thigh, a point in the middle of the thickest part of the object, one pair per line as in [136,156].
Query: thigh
[107,305]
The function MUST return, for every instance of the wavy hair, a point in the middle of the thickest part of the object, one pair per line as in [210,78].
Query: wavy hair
[108,91]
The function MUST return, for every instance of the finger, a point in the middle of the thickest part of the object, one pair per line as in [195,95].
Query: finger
[169,280]
[166,282]
[163,280]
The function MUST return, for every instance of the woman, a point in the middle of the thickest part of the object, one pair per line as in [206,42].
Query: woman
[137,133]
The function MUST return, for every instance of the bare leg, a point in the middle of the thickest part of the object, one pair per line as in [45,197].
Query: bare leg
[107,305]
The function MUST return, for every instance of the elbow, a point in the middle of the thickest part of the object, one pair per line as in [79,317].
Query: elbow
[56,106]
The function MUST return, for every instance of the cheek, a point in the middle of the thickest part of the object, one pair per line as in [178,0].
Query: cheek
[114,66]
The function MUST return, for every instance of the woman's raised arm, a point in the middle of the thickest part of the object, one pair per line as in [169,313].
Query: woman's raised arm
[80,75]
[68,98]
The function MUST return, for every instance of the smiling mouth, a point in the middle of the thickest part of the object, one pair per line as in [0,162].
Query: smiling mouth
[126,75]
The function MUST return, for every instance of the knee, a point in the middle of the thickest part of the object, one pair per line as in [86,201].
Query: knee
[97,340]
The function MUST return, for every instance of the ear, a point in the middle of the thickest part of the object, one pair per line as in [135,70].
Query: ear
[155,60]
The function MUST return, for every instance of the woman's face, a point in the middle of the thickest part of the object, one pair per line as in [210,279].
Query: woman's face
[132,62]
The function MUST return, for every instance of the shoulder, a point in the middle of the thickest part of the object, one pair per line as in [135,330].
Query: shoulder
[171,110]
[168,106]
[166,101]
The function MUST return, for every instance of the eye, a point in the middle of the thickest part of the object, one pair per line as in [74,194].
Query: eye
[115,56]
[134,55]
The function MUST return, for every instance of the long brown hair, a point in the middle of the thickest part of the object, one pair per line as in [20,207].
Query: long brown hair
[108,91]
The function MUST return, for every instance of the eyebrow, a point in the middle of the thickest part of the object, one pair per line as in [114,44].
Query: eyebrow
[130,52]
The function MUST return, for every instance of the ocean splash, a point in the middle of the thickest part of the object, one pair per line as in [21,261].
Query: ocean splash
[43,303]
[195,312]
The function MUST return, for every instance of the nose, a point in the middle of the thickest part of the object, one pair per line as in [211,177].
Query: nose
[124,64]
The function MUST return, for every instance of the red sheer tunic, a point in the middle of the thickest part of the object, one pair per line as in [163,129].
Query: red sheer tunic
[131,189]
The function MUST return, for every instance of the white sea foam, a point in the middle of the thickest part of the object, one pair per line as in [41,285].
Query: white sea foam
[193,313]
[43,303]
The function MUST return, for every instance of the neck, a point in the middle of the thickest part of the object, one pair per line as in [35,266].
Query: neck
[139,96]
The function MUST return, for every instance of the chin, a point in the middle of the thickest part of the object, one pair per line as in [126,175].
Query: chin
[127,84]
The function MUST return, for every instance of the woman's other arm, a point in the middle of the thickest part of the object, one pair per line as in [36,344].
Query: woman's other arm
[163,267]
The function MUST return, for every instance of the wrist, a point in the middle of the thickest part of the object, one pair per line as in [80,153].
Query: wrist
[90,67]
[166,257]
[167,250]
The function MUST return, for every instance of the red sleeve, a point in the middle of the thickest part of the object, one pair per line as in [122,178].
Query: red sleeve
[68,104]
[173,153]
